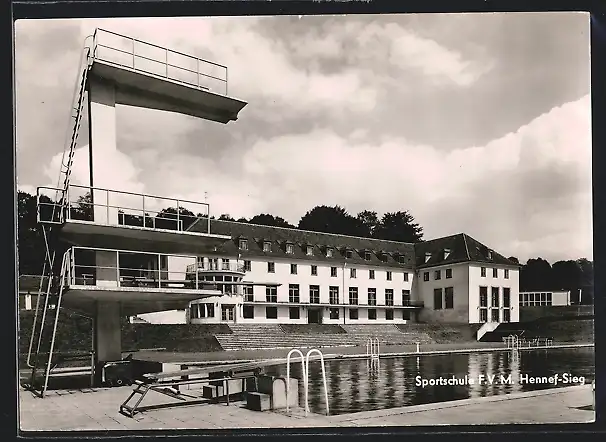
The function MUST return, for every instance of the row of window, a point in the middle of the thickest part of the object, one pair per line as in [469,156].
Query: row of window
[446,295]
[437,274]
[536,299]
[495,315]
[329,251]
[495,273]
[495,298]
[248,312]
[271,295]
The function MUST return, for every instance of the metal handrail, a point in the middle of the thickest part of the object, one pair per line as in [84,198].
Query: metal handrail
[219,267]
[198,60]
[303,371]
[309,353]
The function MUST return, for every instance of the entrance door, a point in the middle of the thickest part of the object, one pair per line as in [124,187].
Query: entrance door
[314,316]
[227,313]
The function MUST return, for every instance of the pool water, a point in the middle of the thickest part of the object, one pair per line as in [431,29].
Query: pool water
[360,385]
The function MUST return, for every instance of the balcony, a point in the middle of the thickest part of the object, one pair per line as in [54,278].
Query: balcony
[142,282]
[232,267]
[91,215]
[156,77]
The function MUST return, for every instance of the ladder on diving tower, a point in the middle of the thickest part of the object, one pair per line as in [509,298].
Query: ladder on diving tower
[51,288]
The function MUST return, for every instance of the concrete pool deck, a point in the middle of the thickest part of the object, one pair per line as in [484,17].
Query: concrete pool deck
[97,410]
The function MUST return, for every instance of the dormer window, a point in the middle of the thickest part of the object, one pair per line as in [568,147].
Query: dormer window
[489,254]
[427,257]
[446,253]
[367,256]
[290,248]
[243,244]
[382,256]
[310,250]
[349,253]
[329,252]
[266,246]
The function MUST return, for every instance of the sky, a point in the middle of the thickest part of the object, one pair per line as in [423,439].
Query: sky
[475,123]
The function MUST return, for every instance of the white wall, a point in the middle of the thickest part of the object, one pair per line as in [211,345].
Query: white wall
[165,317]
[460,283]
[476,280]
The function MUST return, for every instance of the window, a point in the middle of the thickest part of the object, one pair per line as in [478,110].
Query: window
[494,315]
[293,293]
[348,254]
[294,312]
[210,310]
[271,267]
[372,313]
[310,250]
[388,296]
[446,253]
[506,297]
[372,296]
[329,252]
[243,244]
[495,297]
[406,315]
[314,294]
[225,264]
[405,276]
[495,273]
[353,295]
[248,312]
[426,276]
[371,274]
[389,276]
[405,297]
[449,297]
[314,270]
[389,314]
[247,266]
[352,273]
[293,269]
[367,256]
[267,246]
[483,271]
[448,273]
[333,295]
[227,312]
[290,248]
[483,315]
[353,313]
[333,272]
[506,271]
[549,299]
[437,275]
[333,313]
[483,296]
[437,299]
[427,257]
[271,312]
[271,294]
[506,315]
[248,293]
[194,311]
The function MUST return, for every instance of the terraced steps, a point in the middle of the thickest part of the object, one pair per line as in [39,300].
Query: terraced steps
[388,334]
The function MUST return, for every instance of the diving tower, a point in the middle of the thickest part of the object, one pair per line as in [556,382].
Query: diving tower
[112,253]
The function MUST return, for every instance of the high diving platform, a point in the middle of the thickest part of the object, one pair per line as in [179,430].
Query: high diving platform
[154,77]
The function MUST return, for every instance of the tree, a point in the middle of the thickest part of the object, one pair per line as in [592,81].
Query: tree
[83,209]
[30,241]
[514,259]
[167,219]
[370,221]
[331,220]
[266,219]
[536,275]
[226,217]
[399,226]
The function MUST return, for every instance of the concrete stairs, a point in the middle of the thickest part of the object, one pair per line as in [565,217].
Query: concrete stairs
[264,336]
[388,334]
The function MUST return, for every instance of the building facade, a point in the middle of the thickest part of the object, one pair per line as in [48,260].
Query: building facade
[280,275]
[545,298]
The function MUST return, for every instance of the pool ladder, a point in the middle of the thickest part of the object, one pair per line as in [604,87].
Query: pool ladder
[373,354]
[305,375]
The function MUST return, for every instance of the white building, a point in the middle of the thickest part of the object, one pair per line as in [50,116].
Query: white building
[545,298]
[280,275]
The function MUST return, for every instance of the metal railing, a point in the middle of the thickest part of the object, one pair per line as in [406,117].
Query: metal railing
[131,53]
[212,266]
[118,208]
[129,268]
[305,375]
[372,348]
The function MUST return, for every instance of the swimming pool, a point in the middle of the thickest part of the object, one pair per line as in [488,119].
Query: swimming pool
[358,385]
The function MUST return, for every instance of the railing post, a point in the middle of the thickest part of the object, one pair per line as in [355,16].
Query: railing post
[166,59]
[73,266]
[133,40]
[143,204]
[118,267]
[198,71]
[196,270]
[178,210]
[226,81]
[159,270]
[106,205]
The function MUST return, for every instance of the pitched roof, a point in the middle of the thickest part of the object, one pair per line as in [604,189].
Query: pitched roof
[383,253]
